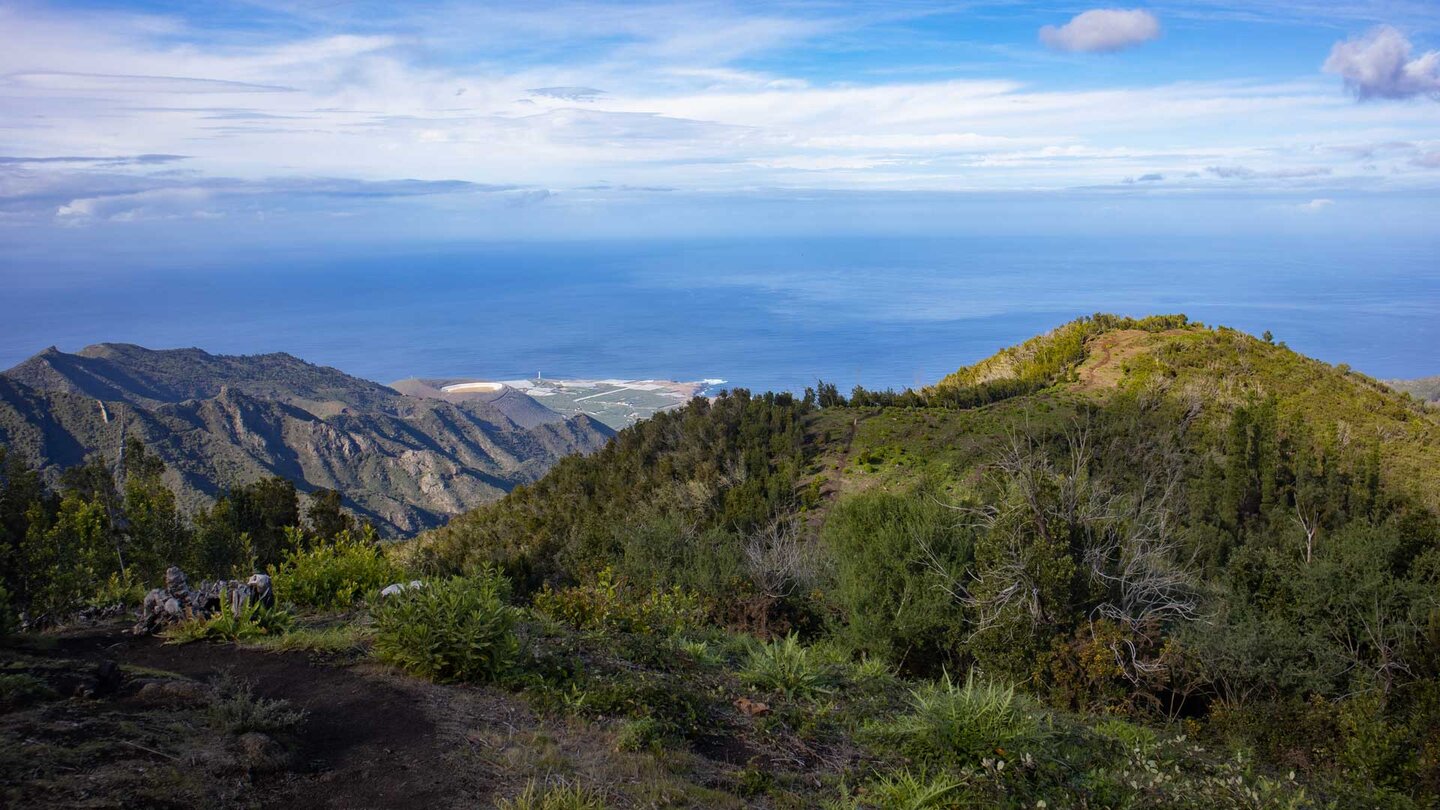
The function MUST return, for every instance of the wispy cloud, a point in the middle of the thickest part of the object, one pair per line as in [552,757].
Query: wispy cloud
[520,101]
[568,93]
[116,160]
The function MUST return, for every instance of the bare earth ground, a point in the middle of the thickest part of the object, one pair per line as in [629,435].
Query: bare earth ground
[371,738]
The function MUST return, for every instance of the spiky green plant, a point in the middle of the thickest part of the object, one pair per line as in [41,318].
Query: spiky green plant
[787,667]
[460,629]
[251,621]
[914,791]
[950,723]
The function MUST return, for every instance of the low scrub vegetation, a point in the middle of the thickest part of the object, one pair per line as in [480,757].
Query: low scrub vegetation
[236,709]
[960,724]
[334,574]
[787,667]
[609,603]
[457,629]
[340,639]
[1201,579]
[250,622]
[553,797]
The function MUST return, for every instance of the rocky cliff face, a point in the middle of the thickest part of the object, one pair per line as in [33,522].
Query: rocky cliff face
[405,462]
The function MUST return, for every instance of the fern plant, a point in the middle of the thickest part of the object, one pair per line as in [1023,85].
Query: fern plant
[912,791]
[961,724]
[787,667]
[251,621]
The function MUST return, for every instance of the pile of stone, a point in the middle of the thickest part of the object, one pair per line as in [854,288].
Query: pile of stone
[177,601]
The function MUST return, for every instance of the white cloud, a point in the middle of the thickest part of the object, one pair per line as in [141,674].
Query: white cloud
[1316,205]
[370,108]
[1102,30]
[1380,65]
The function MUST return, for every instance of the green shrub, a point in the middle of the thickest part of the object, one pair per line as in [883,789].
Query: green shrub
[334,574]
[122,590]
[235,709]
[896,558]
[608,605]
[673,708]
[960,724]
[9,619]
[21,690]
[787,667]
[640,734]
[449,630]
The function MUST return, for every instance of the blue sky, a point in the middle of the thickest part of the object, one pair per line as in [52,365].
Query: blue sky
[180,125]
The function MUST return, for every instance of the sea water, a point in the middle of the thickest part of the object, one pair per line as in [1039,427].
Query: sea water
[763,314]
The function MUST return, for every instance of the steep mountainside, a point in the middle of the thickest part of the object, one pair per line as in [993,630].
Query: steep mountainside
[405,462]
[524,410]
[1425,388]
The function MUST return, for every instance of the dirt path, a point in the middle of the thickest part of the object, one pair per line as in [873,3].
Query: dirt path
[369,740]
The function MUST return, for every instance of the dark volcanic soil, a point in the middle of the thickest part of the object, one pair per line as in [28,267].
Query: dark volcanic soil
[368,740]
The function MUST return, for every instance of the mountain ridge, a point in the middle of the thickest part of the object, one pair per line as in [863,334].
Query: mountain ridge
[404,462]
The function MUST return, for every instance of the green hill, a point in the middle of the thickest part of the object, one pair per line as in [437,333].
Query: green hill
[1150,519]
[786,453]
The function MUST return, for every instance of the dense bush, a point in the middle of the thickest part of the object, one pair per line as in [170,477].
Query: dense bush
[608,604]
[895,558]
[458,629]
[102,535]
[334,573]
[731,463]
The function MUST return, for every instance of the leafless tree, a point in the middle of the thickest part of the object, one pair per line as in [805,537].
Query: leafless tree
[1309,522]
[778,558]
[1130,547]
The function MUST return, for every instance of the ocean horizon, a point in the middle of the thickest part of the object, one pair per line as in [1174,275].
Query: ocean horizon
[763,314]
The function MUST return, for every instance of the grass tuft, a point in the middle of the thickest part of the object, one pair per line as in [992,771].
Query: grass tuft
[236,709]
[554,797]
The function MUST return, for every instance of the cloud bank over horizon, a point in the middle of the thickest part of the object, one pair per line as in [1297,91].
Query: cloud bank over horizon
[496,118]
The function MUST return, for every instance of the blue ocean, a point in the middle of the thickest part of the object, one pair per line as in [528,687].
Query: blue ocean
[763,314]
